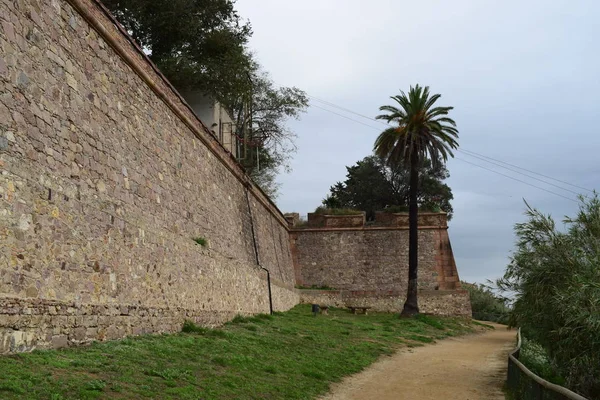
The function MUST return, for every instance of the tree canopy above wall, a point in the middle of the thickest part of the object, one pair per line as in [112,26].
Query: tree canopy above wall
[202,45]
[197,44]
[371,186]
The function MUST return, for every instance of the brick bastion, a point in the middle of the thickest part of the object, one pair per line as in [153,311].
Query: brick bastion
[366,264]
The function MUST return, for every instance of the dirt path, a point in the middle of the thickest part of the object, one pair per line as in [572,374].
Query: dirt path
[468,368]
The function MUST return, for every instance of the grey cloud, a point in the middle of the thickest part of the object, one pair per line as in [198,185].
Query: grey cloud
[522,77]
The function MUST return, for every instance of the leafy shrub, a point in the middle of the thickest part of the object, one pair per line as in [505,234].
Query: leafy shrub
[315,287]
[190,327]
[395,209]
[485,304]
[555,277]
[201,241]
[536,358]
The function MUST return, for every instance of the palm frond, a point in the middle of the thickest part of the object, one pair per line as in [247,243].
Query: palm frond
[421,128]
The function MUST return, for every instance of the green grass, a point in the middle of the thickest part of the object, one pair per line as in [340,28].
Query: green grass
[315,287]
[291,355]
[484,325]
[201,241]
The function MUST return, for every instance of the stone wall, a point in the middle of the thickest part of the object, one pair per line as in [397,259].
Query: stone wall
[336,221]
[428,219]
[438,302]
[370,263]
[106,177]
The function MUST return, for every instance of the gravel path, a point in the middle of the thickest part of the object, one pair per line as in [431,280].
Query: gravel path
[467,368]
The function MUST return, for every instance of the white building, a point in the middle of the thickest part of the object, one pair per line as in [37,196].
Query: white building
[216,118]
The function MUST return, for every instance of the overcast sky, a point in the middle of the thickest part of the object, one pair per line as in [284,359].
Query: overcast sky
[523,77]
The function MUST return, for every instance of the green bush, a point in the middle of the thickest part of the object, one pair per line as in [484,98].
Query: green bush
[395,209]
[555,278]
[536,358]
[201,241]
[485,305]
[190,327]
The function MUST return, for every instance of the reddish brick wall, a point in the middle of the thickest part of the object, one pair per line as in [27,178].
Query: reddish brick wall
[374,259]
[336,221]
[401,219]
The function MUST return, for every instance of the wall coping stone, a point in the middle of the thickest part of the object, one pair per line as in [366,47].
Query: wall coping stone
[383,220]
[365,228]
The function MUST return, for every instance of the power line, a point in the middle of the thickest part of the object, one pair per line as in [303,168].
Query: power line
[533,172]
[518,172]
[518,180]
[467,152]
[344,116]
[468,162]
[347,110]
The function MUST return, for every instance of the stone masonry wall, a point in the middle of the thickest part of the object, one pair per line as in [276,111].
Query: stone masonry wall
[369,265]
[106,177]
[438,302]
[371,258]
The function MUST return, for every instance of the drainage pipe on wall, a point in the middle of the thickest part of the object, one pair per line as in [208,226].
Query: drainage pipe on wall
[256,251]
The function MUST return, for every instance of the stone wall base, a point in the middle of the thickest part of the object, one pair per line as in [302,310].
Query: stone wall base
[436,302]
[29,324]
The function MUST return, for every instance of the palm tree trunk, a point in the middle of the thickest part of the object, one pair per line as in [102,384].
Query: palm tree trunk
[411,306]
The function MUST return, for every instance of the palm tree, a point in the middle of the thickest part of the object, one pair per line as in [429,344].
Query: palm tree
[419,131]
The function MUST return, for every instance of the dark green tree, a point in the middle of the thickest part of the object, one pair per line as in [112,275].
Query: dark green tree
[201,45]
[554,277]
[371,185]
[422,131]
[485,304]
[366,188]
[197,44]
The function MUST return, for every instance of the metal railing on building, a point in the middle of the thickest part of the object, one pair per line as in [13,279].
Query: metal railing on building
[525,385]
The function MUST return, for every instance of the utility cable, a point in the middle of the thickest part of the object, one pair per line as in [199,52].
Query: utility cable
[466,152]
[344,116]
[524,169]
[347,110]
[519,172]
[518,180]
[460,149]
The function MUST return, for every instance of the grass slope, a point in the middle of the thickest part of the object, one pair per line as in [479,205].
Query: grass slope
[291,355]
